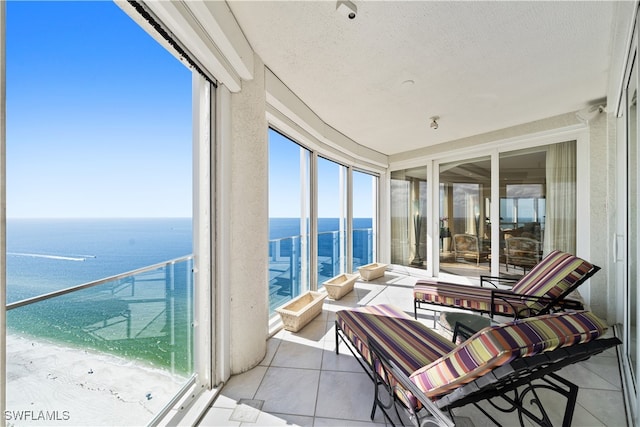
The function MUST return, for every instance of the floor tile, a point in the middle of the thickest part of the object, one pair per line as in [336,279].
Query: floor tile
[333,422]
[605,405]
[346,396]
[344,361]
[289,391]
[245,385]
[294,354]
[218,417]
[275,419]
[272,347]
[606,368]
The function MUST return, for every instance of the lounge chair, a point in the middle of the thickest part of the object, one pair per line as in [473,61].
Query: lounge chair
[430,376]
[543,290]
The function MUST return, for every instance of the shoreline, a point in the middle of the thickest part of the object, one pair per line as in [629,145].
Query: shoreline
[52,384]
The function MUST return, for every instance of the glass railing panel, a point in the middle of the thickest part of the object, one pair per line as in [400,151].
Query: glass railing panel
[362,247]
[288,262]
[111,354]
[331,253]
[287,268]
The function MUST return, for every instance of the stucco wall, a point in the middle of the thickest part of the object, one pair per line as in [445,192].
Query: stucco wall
[600,201]
[249,229]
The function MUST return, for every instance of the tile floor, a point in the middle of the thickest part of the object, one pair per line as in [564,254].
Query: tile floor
[301,381]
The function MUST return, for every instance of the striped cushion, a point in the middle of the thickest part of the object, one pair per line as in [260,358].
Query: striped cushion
[409,343]
[412,344]
[464,296]
[552,277]
[497,345]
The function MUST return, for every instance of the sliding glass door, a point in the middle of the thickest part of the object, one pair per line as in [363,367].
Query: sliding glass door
[523,202]
[535,189]
[409,217]
[630,322]
[465,224]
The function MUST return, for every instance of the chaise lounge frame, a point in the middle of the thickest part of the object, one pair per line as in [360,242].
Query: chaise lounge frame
[534,301]
[514,382]
[507,379]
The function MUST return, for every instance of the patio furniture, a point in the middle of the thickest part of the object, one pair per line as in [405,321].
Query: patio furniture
[468,245]
[521,252]
[430,376]
[543,290]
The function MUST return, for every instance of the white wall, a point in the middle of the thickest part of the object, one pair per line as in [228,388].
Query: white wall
[249,228]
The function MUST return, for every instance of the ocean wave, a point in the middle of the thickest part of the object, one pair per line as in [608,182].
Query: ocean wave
[58,257]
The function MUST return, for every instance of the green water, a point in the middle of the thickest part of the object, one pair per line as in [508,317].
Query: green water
[147,318]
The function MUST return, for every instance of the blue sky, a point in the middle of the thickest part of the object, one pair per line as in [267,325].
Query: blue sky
[284,184]
[99,122]
[98,115]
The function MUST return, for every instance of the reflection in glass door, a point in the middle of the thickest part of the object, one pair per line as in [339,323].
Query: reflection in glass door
[408,217]
[631,315]
[465,200]
[523,195]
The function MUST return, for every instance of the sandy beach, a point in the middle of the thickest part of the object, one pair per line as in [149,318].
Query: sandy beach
[49,384]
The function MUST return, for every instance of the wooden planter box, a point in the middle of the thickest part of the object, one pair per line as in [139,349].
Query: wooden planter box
[339,286]
[301,310]
[372,271]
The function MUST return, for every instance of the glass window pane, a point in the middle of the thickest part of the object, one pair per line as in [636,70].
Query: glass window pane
[523,183]
[408,217]
[289,219]
[365,188]
[633,155]
[332,219]
[100,186]
[465,192]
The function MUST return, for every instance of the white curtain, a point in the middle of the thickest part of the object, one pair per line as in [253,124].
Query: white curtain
[400,215]
[560,224]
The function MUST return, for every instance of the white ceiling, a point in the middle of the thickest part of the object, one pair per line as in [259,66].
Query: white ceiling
[480,66]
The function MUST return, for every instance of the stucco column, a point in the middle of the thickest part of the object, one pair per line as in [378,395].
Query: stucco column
[248,290]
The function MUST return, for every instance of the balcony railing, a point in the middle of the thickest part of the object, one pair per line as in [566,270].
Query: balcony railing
[289,261]
[127,338]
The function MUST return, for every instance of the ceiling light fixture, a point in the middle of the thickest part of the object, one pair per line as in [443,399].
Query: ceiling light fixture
[347,8]
[434,122]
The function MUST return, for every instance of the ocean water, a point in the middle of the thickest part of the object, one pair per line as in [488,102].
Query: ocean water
[45,255]
[286,227]
[148,317]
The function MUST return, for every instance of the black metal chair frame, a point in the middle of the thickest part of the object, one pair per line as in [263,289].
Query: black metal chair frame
[508,297]
[513,383]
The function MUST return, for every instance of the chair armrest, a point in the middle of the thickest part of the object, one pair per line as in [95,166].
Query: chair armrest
[547,305]
[392,370]
[496,280]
